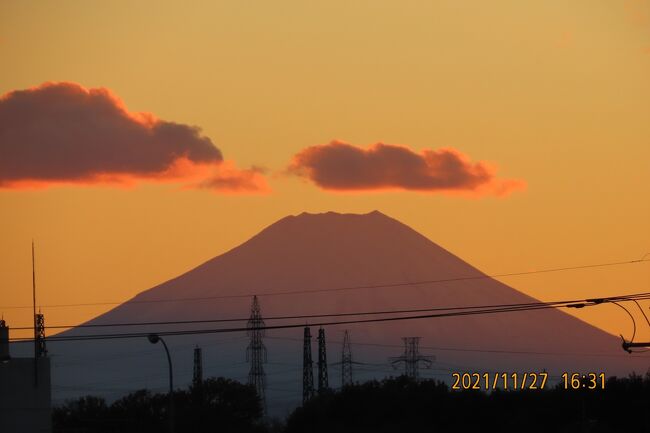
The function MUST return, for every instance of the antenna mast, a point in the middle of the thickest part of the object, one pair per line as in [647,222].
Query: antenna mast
[36,342]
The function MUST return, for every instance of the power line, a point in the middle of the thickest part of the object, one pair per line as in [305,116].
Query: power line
[569,304]
[385,319]
[303,316]
[638,296]
[346,288]
[465,349]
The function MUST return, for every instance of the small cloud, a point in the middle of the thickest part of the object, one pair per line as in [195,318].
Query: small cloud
[340,166]
[231,179]
[61,133]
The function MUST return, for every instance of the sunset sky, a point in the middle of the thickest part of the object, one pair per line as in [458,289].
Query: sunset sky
[514,134]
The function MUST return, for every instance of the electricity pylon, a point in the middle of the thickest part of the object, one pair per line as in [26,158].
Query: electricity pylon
[323,380]
[307,369]
[256,352]
[412,358]
[346,361]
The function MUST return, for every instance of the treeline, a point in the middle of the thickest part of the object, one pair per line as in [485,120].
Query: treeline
[221,405]
[403,405]
[392,405]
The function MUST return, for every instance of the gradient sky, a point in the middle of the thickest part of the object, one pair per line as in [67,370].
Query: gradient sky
[555,94]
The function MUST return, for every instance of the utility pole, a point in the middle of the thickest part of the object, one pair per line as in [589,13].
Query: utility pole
[197,378]
[346,361]
[37,344]
[307,370]
[412,358]
[256,352]
[323,380]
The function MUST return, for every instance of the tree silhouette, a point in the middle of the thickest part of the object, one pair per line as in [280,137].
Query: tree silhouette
[402,404]
[218,405]
[388,406]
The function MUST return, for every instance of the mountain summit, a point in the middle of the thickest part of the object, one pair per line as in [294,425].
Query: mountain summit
[313,252]
[334,263]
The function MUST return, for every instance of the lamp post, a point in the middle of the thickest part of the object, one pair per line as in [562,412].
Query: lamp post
[153,339]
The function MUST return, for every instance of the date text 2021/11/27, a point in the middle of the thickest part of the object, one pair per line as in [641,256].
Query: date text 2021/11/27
[488,381]
[521,381]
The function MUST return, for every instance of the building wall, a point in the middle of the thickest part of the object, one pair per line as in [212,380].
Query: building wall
[24,407]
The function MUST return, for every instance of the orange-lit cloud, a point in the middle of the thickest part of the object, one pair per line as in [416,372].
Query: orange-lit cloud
[340,166]
[63,133]
[230,179]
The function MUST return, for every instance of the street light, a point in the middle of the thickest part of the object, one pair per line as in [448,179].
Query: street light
[153,339]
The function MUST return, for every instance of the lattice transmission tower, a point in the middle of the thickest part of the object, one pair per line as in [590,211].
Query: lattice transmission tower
[256,352]
[307,368]
[346,360]
[323,379]
[197,394]
[411,358]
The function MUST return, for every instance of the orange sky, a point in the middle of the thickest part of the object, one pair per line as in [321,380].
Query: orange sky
[553,93]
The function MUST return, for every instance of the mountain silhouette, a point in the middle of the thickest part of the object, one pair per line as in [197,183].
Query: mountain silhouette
[335,261]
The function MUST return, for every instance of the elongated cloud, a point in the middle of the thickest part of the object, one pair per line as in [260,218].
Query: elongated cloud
[340,166]
[234,180]
[63,133]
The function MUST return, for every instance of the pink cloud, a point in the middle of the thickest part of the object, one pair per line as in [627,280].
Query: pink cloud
[64,134]
[339,166]
[230,179]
